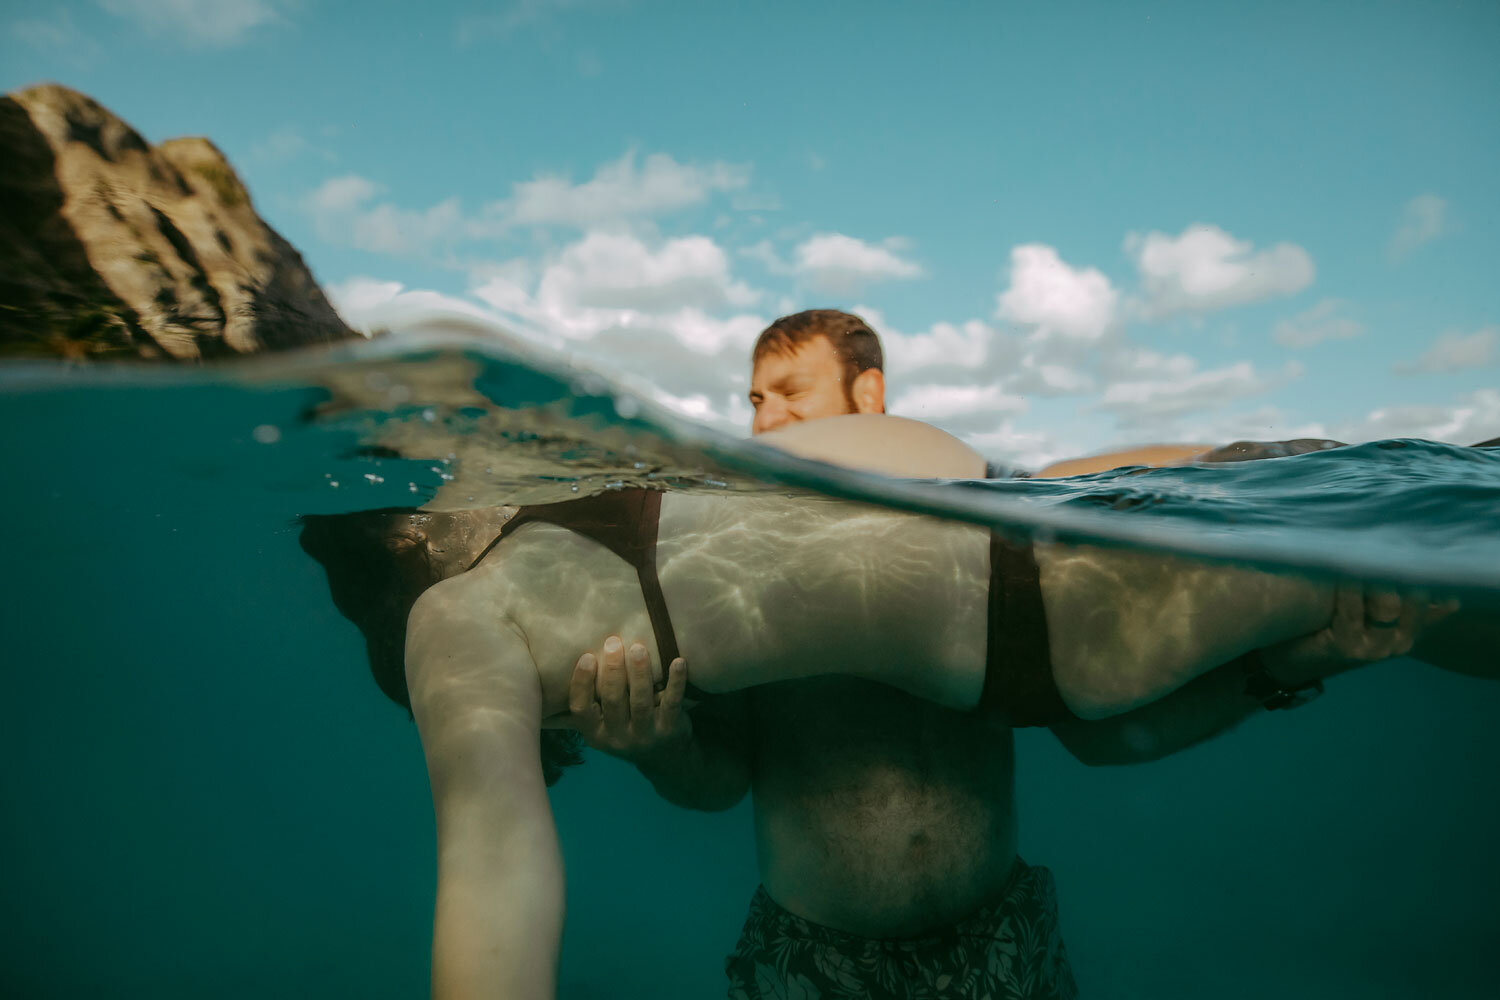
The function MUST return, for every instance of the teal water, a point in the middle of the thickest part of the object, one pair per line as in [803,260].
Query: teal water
[205,794]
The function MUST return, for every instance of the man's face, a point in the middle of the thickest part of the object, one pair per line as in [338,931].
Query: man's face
[807,384]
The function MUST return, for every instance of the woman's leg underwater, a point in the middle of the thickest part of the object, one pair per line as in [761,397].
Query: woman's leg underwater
[1127,628]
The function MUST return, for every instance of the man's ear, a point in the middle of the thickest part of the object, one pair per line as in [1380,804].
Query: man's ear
[869,391]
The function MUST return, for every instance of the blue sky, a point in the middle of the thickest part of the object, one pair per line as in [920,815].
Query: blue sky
[1077,225]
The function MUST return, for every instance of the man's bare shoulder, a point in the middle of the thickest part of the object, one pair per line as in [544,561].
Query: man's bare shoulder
[878,442]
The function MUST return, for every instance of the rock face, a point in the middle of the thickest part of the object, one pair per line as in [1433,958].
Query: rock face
[111,247]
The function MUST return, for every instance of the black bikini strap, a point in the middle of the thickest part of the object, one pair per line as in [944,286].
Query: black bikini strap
[505,529]
[626,522]
[1018,677]
[645,571]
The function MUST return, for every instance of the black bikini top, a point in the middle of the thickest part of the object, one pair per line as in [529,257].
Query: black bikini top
[625,522]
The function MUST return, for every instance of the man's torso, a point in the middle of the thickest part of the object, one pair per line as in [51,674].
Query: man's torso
[876,812]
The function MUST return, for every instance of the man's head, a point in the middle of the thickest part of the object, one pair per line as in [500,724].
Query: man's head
[814,364]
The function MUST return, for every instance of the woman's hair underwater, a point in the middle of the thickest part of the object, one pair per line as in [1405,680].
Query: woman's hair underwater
[378,563]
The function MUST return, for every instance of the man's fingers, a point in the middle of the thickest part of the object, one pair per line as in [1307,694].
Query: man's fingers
[1440,610]
[671,697]
[1348,611]
[581,687]
[642,694]
[612,685]
[1408,622]
[1383,608]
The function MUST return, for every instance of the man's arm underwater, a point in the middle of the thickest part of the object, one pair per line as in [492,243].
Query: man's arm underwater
[710,769]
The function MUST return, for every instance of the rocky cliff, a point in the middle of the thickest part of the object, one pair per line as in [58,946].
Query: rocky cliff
[109,246]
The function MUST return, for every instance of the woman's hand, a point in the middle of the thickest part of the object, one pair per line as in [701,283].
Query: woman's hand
[613,703]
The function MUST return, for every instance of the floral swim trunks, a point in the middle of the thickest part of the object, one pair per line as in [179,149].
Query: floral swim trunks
[1009,950]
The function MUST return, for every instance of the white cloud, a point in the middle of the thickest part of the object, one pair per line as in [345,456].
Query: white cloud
[1424,219]
[1038,378]
[841,264]
[57,35]
[956,405]
[765,254]
[345,210]
[1055,300]
[505,285]
[358,296]
[1204,268]
[197,22]
[1473,418]
[342,213]
[387,229]
[965,346]
[1139,363]
[1020,449]
[671,317]
[738,413]
[515,16]
[281,146]
[656,313]
[685,359]
[369,304]
[705,334]
[618,191]
[1454,352]
[755,201]
[619,271]
[695,407]
[1139,402]
[1316,325]
[342,194]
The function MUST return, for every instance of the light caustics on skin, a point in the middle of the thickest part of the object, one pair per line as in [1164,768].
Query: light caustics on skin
[770,588]
[756,583]
[760,589]
[1127,628]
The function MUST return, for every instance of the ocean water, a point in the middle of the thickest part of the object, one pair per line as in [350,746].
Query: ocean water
[205,794]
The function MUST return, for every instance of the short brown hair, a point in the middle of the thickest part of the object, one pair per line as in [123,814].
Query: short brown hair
[853,341]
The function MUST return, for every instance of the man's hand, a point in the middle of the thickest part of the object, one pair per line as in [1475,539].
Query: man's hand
[611,702]
[614,705]
[1367,626]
